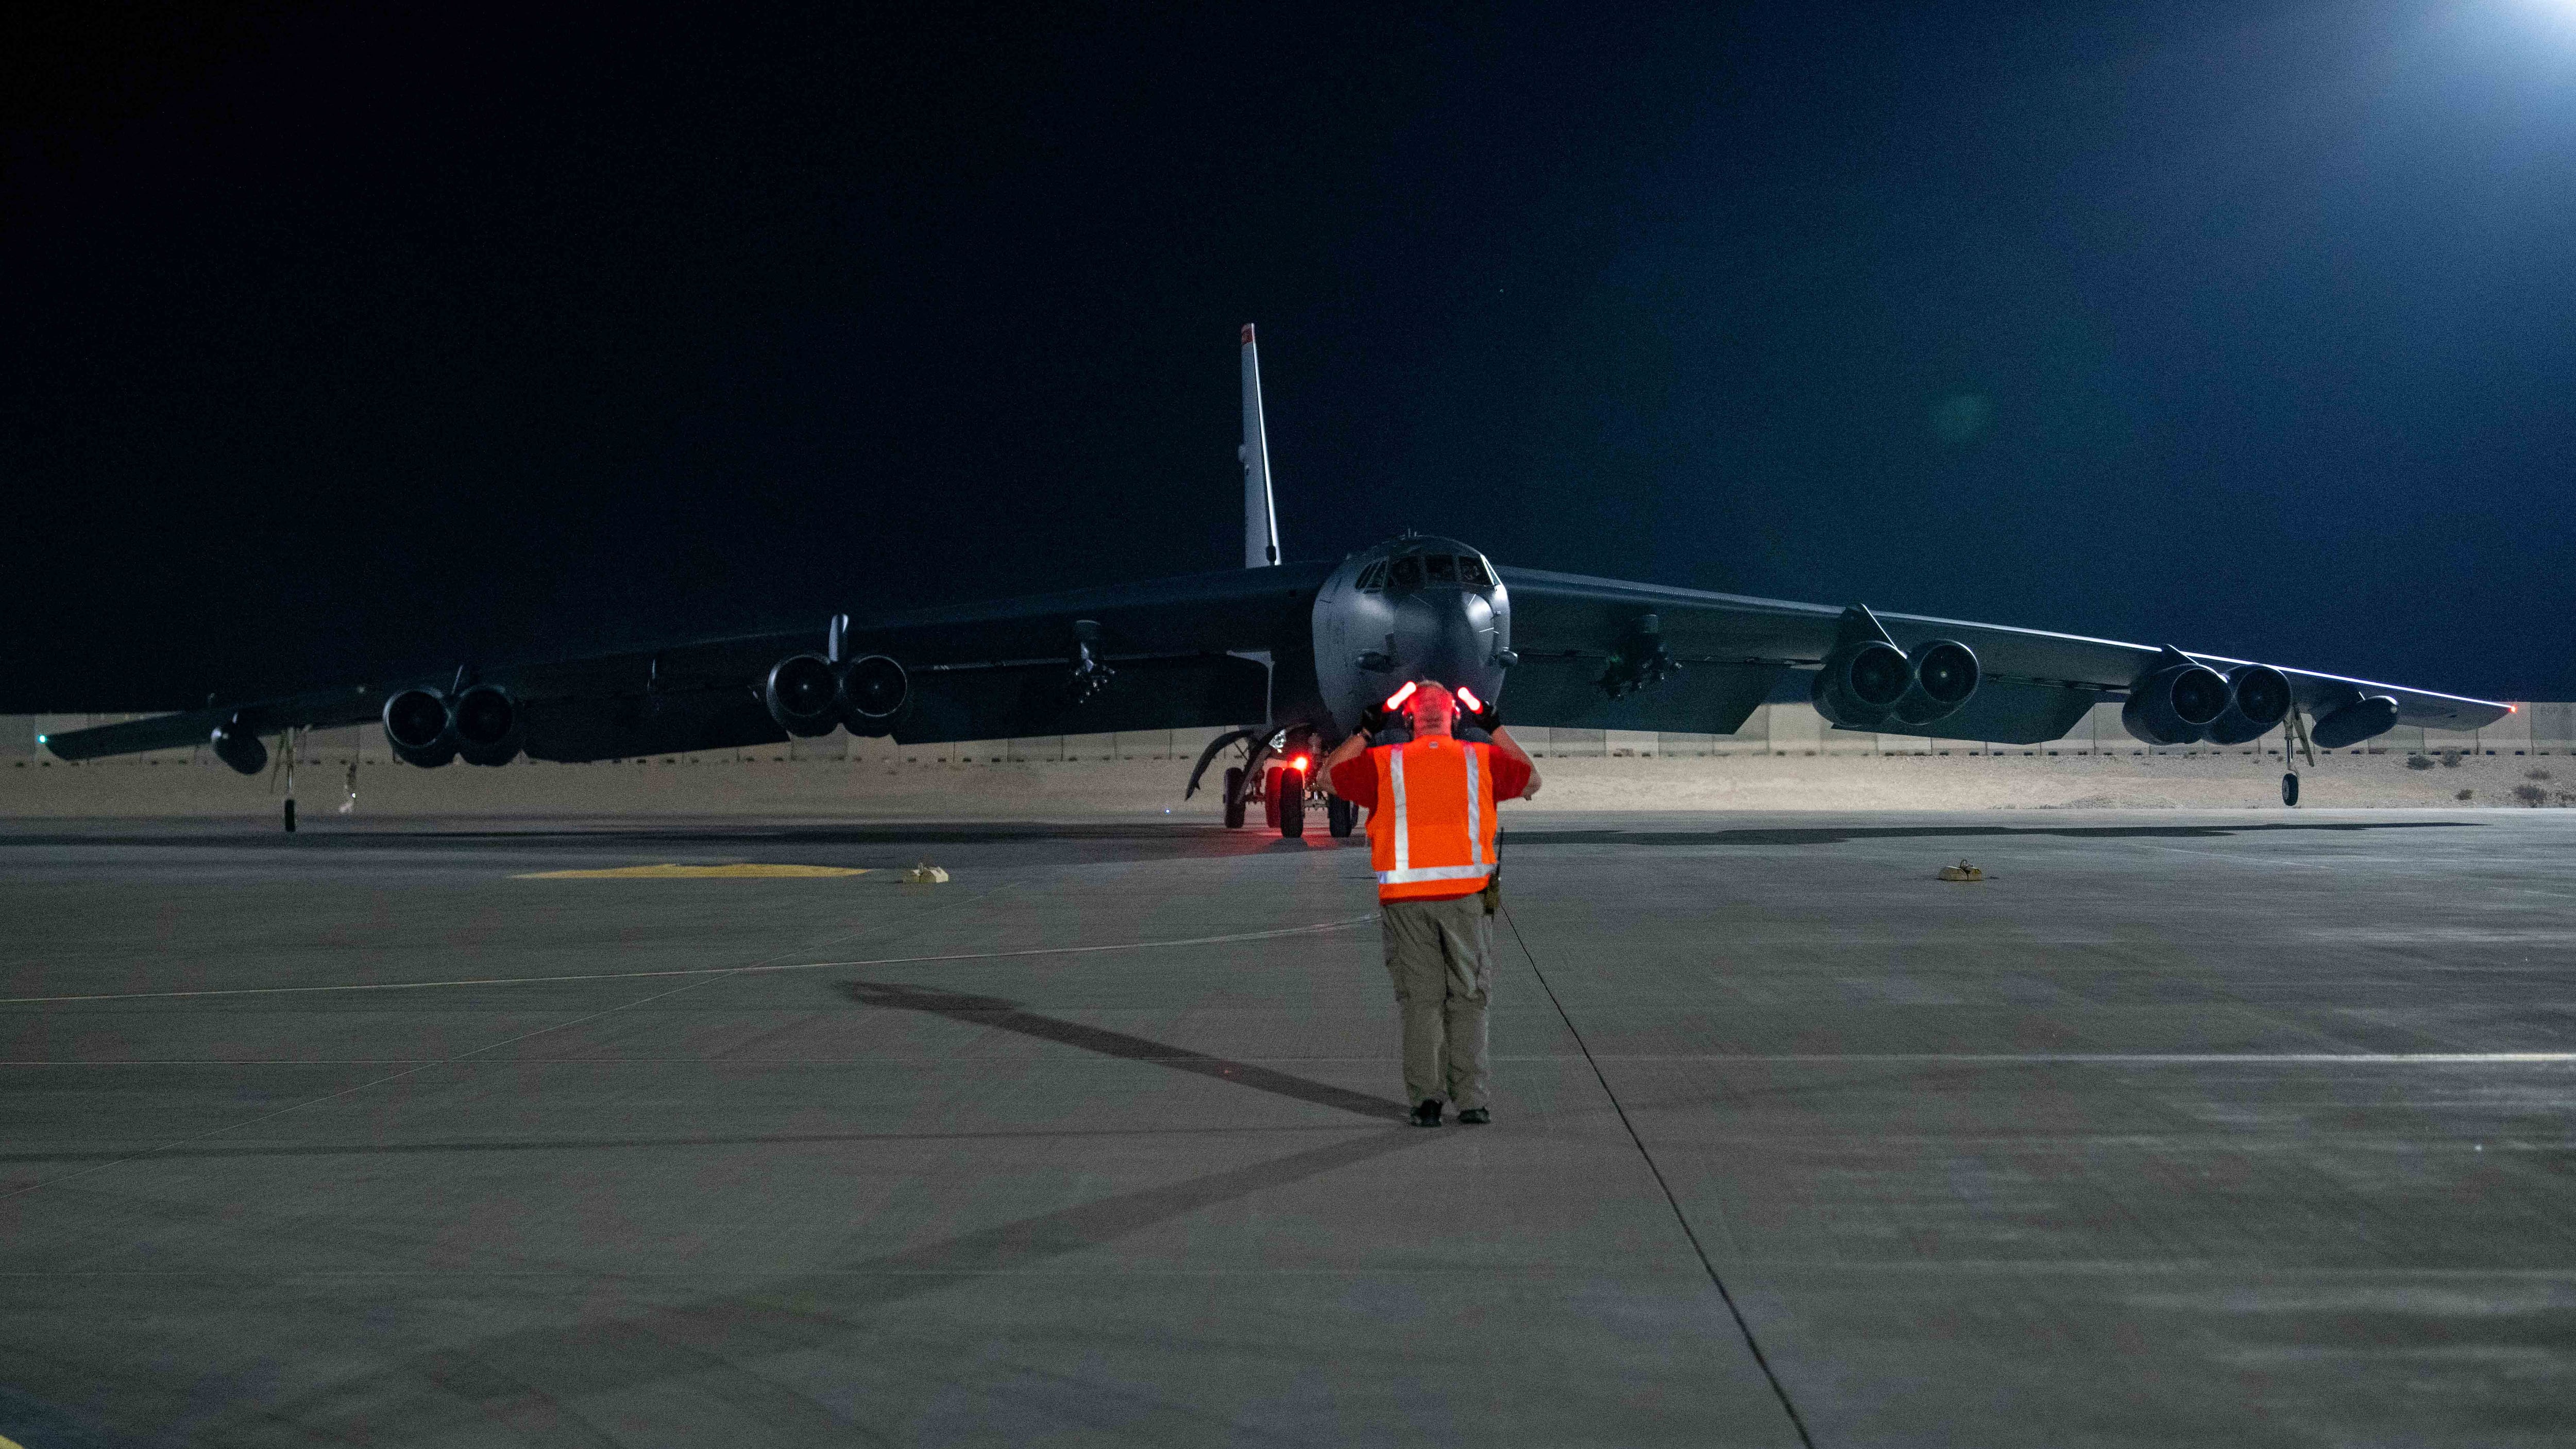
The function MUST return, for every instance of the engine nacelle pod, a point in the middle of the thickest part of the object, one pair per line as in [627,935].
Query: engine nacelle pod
[803,695]
[239,748]
[1861,683]
[2351,723]
[1940,676]
[874,691]
[2175,705]
[420,728]
[489,725]
[2258,699]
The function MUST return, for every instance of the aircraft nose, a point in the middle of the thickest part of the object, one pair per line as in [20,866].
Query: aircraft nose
[1444,636]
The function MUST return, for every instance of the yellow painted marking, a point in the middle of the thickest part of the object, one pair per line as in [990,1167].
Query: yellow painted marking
[696,872]
[7,1443]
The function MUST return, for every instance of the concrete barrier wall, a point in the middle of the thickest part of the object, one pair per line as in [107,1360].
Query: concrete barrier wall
[2544,728]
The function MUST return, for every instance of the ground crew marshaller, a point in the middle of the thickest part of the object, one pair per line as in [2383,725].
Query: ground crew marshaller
[1431,832]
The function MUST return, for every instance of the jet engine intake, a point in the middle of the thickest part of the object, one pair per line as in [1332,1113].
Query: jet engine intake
[1861,683]
[2176,705]
[873,691]
[2355,721]
[239,747]
[803,695]
[489,725]
[1940,677]
[2258,698]
[1867,682]
[420,728]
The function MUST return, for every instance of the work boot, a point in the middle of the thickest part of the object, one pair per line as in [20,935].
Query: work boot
[1474,1117]
[1428,1114]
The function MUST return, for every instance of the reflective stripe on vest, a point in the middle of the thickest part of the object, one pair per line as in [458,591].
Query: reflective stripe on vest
[1475,813]
[1429,833]
[1434,872]
[1403,825]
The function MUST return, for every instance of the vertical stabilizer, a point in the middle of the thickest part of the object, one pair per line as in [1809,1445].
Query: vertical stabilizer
[1260,516]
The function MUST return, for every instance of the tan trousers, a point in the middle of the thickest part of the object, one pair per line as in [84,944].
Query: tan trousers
[1441,954]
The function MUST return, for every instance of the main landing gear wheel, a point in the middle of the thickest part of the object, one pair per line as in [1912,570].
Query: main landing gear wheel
[1234,798]
[1292,804]
[1339,816]
[2290,788]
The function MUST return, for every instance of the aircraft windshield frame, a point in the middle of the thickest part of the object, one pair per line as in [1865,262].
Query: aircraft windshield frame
[1428,569]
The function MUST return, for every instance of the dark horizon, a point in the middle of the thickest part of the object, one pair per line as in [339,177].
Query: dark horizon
[354,344]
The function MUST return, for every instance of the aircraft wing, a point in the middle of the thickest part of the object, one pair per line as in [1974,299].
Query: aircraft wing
[1571,631]
[976,671]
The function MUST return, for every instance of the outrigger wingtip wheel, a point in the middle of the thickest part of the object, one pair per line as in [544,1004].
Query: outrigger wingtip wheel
[2290,788]
[290,815]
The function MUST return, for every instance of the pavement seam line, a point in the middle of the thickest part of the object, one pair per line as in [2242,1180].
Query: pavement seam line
[1761,1360]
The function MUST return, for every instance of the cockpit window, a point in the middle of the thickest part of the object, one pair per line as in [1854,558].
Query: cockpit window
[1406,572]
[1373,578]
[1472,572]
[1441,568]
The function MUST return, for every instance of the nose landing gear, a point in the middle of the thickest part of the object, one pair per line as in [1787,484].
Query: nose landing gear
[1275,773]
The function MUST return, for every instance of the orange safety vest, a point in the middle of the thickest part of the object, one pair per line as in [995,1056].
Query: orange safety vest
[1432,834]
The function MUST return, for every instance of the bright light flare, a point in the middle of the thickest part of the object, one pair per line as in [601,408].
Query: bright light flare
[1298,764]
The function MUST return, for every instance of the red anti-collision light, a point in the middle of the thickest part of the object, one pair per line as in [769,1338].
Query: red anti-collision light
[1397,699]
[1298,764]
[1468,697]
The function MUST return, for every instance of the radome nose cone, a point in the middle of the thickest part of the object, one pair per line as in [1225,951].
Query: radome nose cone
[1443,636]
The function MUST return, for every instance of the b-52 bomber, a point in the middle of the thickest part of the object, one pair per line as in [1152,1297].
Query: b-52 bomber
[1284,656]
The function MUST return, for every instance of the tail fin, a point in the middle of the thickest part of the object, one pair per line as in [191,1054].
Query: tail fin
[1260,516]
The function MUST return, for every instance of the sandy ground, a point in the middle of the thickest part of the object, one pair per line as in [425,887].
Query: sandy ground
[1153,787]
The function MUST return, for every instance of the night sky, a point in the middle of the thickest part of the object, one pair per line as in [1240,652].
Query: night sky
[344,343]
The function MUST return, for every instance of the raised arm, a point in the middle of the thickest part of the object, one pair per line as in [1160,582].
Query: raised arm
[1503,741]
[1351,747]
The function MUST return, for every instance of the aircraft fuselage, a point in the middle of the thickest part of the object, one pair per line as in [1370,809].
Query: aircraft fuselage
[1419,607]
